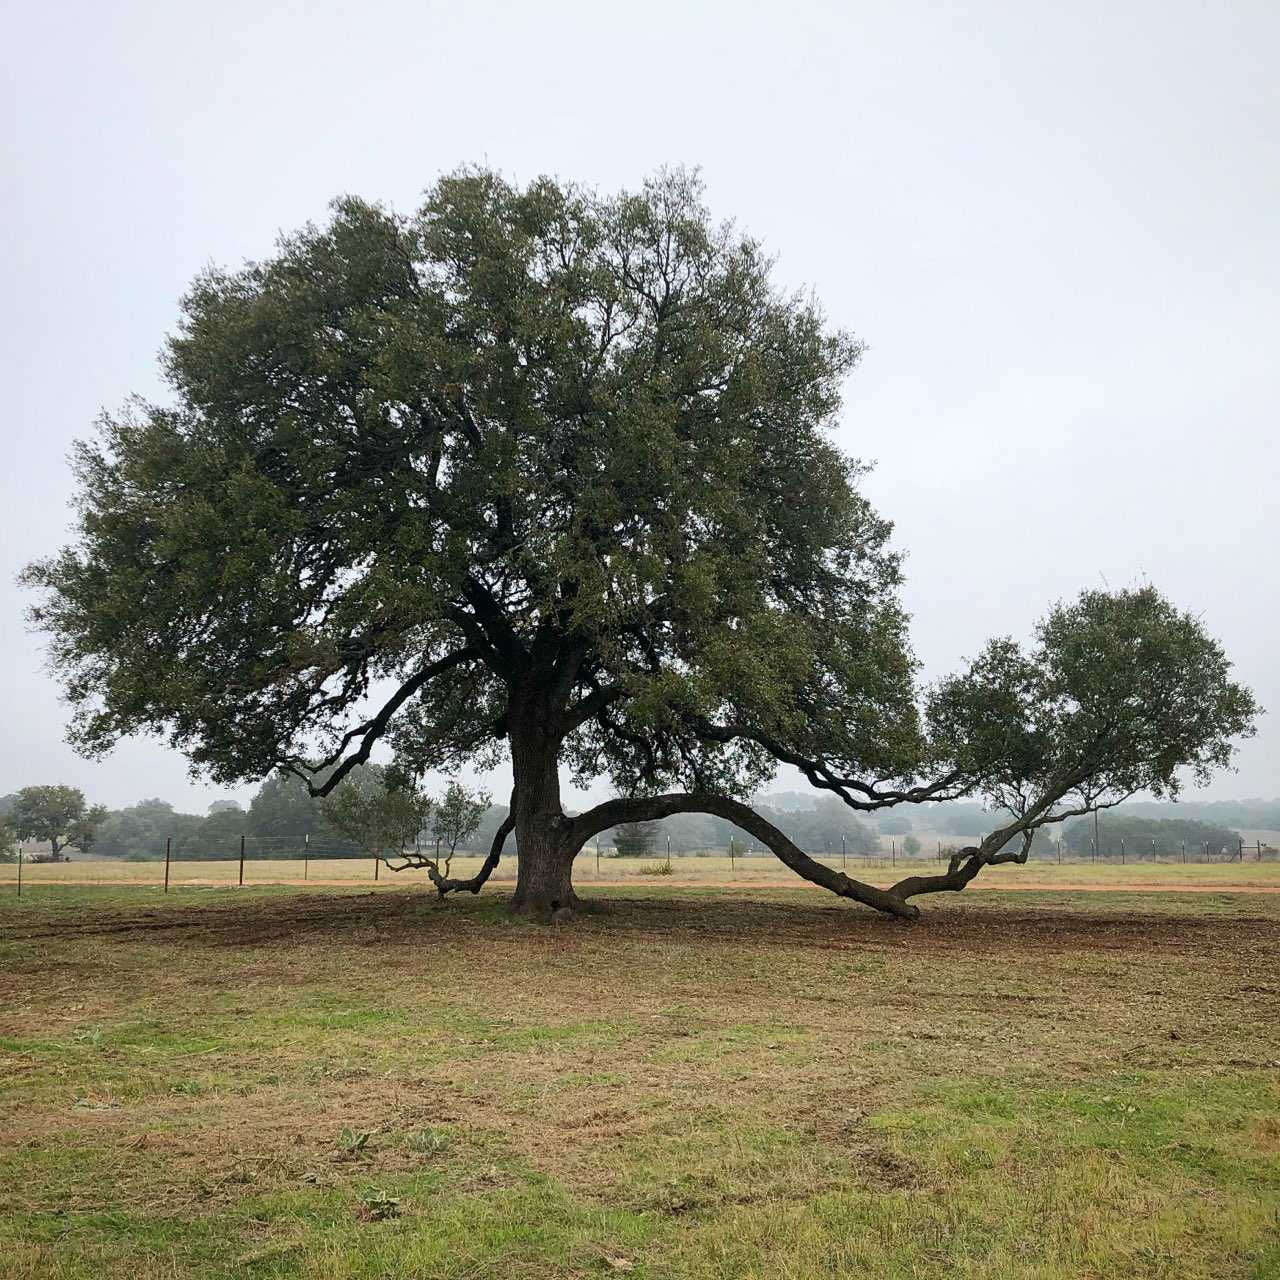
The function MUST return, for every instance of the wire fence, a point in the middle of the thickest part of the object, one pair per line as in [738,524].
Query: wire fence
[294,860]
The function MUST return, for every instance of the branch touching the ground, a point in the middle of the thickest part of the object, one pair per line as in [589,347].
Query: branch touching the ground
[446,884]
[650,808]
[962,868]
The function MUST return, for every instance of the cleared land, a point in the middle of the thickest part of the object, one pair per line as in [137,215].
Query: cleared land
[691,1085]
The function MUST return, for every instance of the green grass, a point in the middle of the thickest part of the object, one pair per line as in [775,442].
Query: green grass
[345,1084]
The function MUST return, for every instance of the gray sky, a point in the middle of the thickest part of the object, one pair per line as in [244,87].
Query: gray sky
[1058,226]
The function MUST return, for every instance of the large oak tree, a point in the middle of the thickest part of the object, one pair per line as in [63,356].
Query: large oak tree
[546,473]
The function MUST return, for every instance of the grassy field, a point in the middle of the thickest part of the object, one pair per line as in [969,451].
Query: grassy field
[347,1083]
[697,871]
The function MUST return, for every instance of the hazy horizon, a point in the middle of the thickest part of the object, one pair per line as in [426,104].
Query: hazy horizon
[1058,230]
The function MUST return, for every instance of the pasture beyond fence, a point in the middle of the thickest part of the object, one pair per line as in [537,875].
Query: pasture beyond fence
[286,860]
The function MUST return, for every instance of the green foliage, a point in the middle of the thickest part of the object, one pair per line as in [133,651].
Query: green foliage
[56,814]
[283,806]
[409,440]
[378,1206]
[429,1142]
[456,816]
[381,819]
[1122,693]
[635,839]
[910,846]
[8,841]
[353,1142]
[280,818]
[553,467]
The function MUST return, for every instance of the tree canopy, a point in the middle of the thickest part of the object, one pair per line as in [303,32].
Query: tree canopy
[635,839]
[544,473]
[56,814]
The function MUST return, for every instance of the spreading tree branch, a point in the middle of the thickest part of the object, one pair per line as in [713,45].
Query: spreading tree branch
[650,808]
[444,883]
[370,731]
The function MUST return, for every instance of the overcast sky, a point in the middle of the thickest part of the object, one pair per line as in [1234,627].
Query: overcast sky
[1056,225]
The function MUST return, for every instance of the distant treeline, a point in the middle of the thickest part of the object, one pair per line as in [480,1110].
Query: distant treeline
[1249,815]
[277,824]
[1122,833]
[283,819]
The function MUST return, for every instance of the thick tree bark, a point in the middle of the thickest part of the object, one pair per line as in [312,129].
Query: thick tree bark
[544,883]
[544,880]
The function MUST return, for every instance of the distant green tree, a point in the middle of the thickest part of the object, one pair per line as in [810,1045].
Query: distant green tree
[959,819]
[283,813]
[894,824]
[635,839]
[58,815]
[382,820]
[910,846]
[226,806]
[138,829]
[218,835]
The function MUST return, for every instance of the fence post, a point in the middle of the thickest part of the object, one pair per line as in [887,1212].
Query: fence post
[1122,851]
[376,860]
[844,853]
[19,873]
[893,852]
[1184,851]
[1259,850]
[242,861]
[306,853]
[168,846]
[597,855]
[1059,851]
[1241,839]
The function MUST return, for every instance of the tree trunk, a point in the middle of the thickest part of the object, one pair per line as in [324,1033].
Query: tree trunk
[544,879]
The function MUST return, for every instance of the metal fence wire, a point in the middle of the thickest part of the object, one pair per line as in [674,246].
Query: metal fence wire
[299,860]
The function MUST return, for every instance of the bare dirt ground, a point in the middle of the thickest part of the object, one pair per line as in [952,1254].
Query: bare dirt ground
[698,920]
